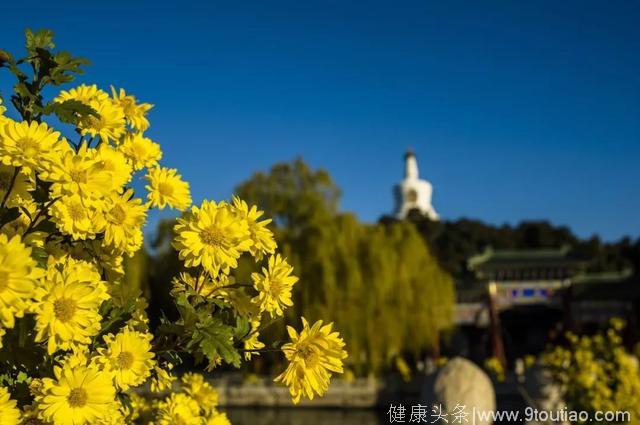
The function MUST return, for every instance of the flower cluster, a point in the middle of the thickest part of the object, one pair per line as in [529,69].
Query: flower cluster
[195,403]
[597,373]
[76,347]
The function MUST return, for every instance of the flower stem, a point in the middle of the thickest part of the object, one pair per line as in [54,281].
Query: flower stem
[45,207]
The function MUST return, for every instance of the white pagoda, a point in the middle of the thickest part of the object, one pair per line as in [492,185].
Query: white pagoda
[413,193]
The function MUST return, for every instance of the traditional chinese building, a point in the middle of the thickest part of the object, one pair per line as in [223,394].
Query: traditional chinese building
[525,277]
[538,294]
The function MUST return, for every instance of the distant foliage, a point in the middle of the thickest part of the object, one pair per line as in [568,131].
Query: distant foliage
[453,242]
[379,283]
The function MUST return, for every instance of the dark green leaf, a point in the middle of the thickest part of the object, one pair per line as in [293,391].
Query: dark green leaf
[215,340]
[41,194]
[69,111]
[10,215]
[187,312]
[45,226]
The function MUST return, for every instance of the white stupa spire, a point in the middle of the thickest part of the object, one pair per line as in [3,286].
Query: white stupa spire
[413,193]
[410,166]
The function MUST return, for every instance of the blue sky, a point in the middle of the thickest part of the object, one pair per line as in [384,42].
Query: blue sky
[516,110]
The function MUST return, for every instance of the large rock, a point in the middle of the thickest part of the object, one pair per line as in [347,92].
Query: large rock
[461,386]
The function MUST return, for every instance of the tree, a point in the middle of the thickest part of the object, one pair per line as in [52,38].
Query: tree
[379,283]
[292,194]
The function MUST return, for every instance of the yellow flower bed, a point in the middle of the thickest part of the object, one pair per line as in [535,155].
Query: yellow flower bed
[596,373]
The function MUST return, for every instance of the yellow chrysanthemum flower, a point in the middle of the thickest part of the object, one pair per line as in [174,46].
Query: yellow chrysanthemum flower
[81,173]
[141,151]
[19,277]
[32,146]
[136,114]
[139,320]
[140,406]
[109,125]
[83,93]
[202,284]
[128,356]
[107,258]
[30,416]
[69,299]
[213,236]
[79,356]
[21,186]
[93,251]
[9,413]
[263,241]
[79,395]
[313,356]
[36,387]
[252,343]
[162,379]
[113,161]
[28,217]
[76,217]
[166,188]
[124,216]
[274,286]
[178,409]
[195,386]
[117,416]
[218,418]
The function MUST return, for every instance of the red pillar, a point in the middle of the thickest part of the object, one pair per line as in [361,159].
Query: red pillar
[497,345]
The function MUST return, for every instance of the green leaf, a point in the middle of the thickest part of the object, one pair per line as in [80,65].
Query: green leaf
[243,327]
[70,111]
[215,340]
[187,312]
[26,212]
[45,226]
[46,61]
[42,39]
[114,323]
[40,255]
[23,377]
[66,66]
[4,57]
[10,215]
[169,328]
[22,90]
[41,194]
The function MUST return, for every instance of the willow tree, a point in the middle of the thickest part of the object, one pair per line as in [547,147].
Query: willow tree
[379,283]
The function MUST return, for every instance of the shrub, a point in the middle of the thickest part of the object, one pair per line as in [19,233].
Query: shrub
[596,373]
[75,338]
